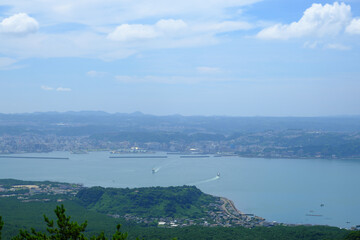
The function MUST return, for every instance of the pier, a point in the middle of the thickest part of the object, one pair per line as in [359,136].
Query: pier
[194,156]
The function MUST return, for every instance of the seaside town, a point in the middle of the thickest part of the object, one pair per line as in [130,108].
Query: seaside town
[40,192]
[288,144]
[223,213]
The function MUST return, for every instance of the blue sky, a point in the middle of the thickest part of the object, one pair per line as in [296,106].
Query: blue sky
[214,57]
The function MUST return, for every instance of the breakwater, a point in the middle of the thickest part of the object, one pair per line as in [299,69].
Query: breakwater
[138,156]
[194,156]
[24,157]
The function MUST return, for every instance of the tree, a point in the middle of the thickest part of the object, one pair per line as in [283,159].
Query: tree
[65,230]
[1,225]
[355,235]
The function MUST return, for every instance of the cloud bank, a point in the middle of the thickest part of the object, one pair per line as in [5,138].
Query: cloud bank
[317,21]
[114,29]
[173,28]
[99,13]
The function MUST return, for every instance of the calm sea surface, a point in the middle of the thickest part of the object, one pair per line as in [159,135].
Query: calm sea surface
[282,190]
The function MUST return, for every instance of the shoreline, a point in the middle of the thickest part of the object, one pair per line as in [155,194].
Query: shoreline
[182,155]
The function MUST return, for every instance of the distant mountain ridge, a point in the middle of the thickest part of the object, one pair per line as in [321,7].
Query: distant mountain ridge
[137,121]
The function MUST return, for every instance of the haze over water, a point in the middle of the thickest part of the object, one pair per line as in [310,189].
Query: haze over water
[282,190]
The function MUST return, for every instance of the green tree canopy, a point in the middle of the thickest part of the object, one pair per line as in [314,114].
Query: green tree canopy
[355,235]
[1,225]
[65,229]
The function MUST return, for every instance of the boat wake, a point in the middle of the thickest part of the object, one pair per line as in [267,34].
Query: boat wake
[156,169]
[206,181]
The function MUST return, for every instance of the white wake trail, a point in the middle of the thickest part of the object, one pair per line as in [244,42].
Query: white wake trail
[156,169]
[205,181]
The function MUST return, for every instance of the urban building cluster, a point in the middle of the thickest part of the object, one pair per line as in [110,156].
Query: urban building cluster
[223,213]
[270,144]
[40,192]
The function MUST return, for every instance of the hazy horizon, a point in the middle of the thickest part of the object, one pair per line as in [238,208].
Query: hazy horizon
[178,114]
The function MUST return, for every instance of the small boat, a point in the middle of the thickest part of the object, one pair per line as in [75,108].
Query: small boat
[218,174]
[153,171]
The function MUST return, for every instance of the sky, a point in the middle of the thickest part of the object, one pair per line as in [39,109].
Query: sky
[213,57]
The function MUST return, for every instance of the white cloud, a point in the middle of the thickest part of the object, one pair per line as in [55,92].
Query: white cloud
[6,62]
[170,25]
[179,23]
[62,89]
[337,46]
[225,26]
[128,79]
[208,70]
[164,27]
[325,45]
[311,45]
[127,32]
[99,12]
[318,20]
[167,79]
[74,44]
[354,27]
[59,89]
[46,88]
[156,79]
[169,28]
[94,74]
[19,24]
[116,53]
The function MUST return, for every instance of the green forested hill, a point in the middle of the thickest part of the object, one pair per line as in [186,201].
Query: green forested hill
[179,202]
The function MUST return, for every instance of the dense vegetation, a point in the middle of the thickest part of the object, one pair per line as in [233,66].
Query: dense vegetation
[180,202]
[67,229]
[26,215]
[64,229]
[1,226]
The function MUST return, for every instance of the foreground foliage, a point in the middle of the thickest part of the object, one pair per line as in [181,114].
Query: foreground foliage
[65,229]
[355,235]
[1,225]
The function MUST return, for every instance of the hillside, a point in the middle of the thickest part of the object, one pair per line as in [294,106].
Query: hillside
[154,202]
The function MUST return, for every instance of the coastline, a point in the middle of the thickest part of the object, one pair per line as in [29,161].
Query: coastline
[181,154]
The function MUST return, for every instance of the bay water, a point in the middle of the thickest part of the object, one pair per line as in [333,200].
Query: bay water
[298,191]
